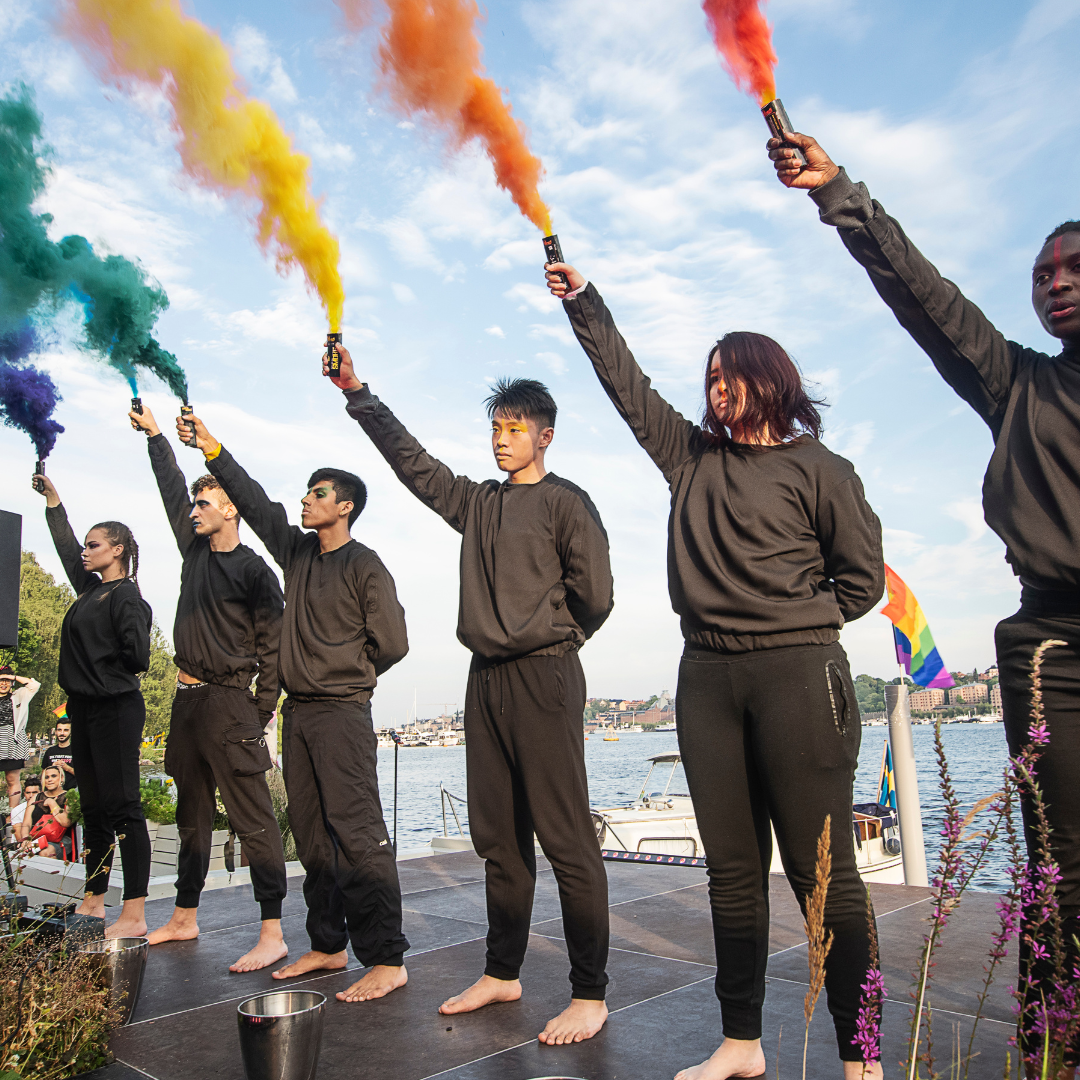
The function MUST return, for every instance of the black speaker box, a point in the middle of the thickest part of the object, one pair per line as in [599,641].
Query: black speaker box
[10,560]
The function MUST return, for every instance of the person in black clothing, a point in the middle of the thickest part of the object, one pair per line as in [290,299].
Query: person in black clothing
[1031,491]
[60,755]
[535,586]
[772,548]
[104,647]
[343,627]
[228,622]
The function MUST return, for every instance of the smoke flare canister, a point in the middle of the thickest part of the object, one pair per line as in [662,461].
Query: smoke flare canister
[187,410]
[39,470]
[333,357]
[136,405]
[777,118]
[553,251]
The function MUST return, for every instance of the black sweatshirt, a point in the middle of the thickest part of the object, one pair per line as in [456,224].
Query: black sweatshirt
[767,546]
[228,615]
[105,635]
[343,624]
[1029,400]
[535,571]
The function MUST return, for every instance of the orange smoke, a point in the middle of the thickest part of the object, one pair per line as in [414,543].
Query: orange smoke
[228,142]
[430,58]
[744,39]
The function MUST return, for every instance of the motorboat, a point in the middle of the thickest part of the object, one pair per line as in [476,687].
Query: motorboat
[663,823]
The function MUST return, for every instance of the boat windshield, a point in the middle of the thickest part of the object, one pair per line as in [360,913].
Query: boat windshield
[669,772]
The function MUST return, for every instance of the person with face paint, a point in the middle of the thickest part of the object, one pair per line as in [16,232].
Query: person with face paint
[226,634]
[104,648]
[535,586]
[343,627]
[14,742]
[772,548]
[1031,492]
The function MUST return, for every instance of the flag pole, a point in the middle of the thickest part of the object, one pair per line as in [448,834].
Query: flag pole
[907,784]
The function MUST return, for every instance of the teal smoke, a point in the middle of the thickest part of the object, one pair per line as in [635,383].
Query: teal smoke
[120,302]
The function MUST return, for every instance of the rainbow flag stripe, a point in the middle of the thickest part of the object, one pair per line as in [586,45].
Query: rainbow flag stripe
[922,662]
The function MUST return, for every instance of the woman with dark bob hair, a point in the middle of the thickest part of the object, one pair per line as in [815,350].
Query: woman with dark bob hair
[772,548]
[104,648]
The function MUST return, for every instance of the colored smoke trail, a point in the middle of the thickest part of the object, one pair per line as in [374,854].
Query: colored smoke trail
[744,39]
[28,397]
[430,58]
[228,142]
[119,302]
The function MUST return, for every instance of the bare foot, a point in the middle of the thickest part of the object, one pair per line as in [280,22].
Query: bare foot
[92,905]
[270,949]
[377,983]
[313,961]
[126,927]
[485,991]
[181,927]
[735,1057]
[856,1070]
[580,1020]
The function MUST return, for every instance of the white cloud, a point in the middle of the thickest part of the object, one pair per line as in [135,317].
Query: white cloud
[496,331]
[255,59]
[323,149]
[554,361]
[531,296]
[402,293]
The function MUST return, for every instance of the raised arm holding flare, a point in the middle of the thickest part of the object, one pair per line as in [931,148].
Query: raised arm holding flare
[1031,492]
[535,586]
[227,628]
[343,627]
[772,548]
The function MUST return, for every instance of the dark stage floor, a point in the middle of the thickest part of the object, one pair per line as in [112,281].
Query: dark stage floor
[664,1015]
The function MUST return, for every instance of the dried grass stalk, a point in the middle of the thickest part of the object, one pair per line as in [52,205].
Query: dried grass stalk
[819,941]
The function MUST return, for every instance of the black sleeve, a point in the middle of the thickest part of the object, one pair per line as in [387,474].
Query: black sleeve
[426,477]
[131,620]
[267,604]
[174,493]
[583,549]
[969,352]
[849,533]
[47,758]
[664,433]
[267,519]
[69,549]
[384,617]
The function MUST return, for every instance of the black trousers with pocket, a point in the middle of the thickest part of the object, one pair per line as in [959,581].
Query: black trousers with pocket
[1041,618]
[351,889]
[216,742]
[525,760]
[106,735]
[773,737]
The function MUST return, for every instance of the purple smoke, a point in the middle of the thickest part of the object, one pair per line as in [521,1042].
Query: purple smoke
[28,397]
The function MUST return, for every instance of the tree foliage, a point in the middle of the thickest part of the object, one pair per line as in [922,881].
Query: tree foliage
[43,602]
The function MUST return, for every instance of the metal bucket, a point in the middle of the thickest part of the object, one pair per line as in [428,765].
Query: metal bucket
[281,1034]
[123,960]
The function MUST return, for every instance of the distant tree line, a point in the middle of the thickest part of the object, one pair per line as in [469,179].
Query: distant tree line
[42,604]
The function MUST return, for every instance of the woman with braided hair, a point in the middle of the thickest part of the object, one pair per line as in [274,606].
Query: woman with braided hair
[104,648]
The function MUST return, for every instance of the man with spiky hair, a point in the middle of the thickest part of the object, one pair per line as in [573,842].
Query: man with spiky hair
[535,586]
[226,634]
[343,628]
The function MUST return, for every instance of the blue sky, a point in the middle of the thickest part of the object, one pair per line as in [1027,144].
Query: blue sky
[954,113]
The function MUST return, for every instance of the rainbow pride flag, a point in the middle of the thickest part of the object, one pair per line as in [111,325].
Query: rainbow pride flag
[915,648]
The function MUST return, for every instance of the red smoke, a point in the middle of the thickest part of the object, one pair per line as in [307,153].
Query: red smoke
[430,59]
[744,39]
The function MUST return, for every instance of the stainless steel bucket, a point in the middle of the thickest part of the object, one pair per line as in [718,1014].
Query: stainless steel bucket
[280,1034]
[123,960]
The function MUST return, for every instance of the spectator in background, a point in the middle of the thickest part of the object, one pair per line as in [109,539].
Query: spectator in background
[31,788]
[60,755]
[51,832]
[14,742]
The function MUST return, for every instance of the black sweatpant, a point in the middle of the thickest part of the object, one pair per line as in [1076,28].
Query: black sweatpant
[525,760]
[106,735]
[774,736]
[215,732]
[1058,768]
[351,888]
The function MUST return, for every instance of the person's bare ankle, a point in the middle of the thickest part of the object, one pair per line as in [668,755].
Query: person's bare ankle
[182,926]
[269,949]
[732,1058]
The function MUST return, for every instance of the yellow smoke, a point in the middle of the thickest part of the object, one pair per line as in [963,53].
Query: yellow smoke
[228,141]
